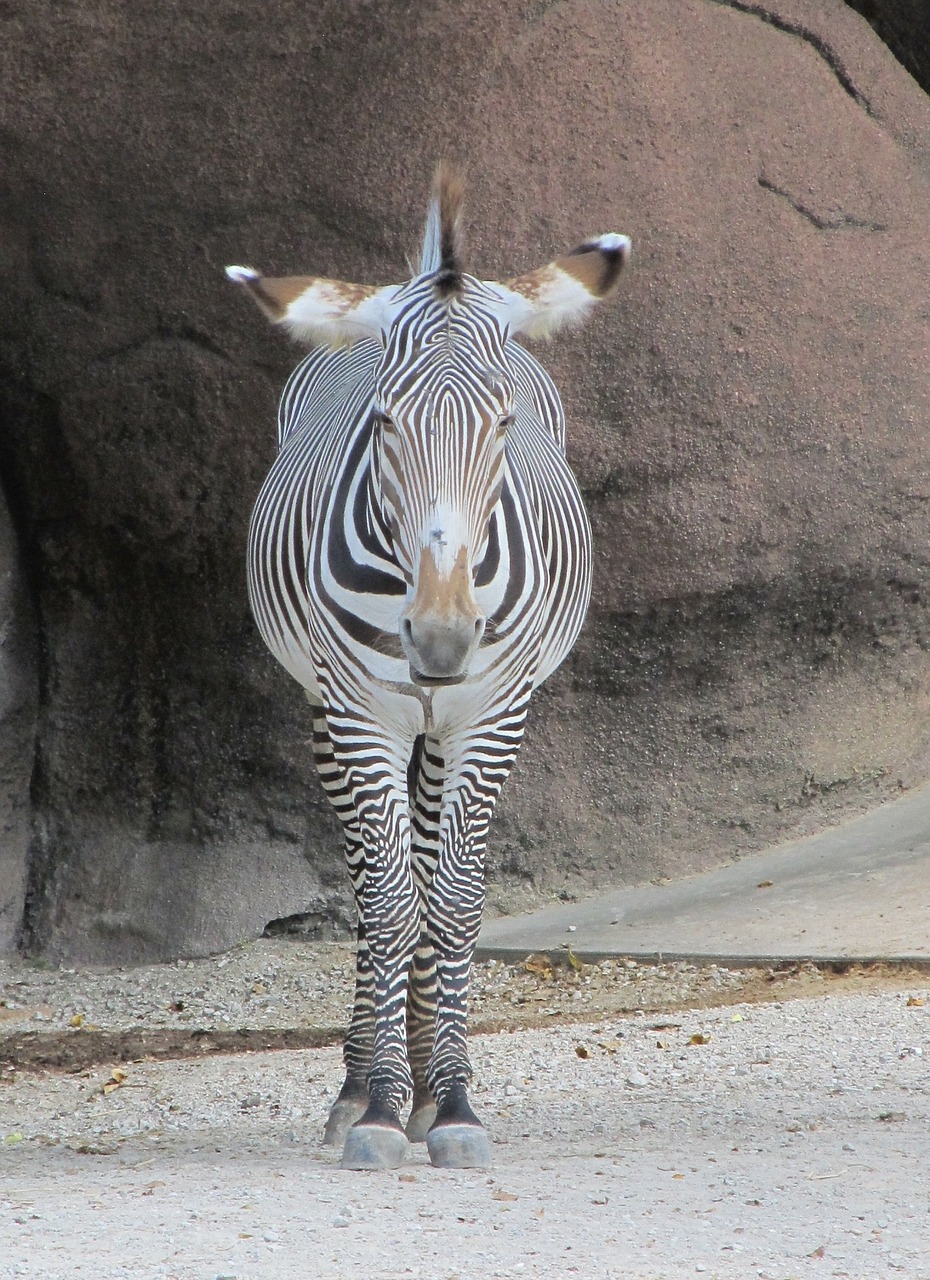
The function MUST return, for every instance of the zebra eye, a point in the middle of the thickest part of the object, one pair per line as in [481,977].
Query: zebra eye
[505,423]
[383,423]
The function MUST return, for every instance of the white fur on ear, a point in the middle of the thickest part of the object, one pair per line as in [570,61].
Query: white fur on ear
[610,242]
[564,292]
[319,311]
[332,312]
[241,275]
[559,302]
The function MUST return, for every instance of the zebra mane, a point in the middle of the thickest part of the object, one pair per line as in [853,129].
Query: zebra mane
[441,246]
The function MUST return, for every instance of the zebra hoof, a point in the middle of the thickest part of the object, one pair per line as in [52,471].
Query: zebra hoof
[459,1146]
[374,1146]
[420,1120]
[342,1116]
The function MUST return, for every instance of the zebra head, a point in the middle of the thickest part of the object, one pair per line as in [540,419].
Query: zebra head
[444,399]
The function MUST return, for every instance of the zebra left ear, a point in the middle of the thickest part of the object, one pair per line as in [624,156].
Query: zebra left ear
[564,292]
[316,310]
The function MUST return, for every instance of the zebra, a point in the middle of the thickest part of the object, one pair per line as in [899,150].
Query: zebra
[419,561]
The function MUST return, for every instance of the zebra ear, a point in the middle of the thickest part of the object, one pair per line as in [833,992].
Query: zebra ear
[564,292]
[318,311]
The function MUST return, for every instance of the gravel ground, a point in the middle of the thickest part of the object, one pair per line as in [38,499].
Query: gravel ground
[691,1122]
[307,986]
[276,983]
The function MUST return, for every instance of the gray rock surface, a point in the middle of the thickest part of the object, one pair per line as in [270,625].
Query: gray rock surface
[748,423]
[18,696]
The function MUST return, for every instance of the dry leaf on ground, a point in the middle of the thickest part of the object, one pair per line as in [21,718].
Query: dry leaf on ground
[117,1077]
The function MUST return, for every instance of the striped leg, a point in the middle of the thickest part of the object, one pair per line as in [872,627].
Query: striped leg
[456,1138]
[352,1101]
[375,770]
[426,778]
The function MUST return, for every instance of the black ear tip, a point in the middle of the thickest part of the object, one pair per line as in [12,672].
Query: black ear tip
[606,257]
[613,247]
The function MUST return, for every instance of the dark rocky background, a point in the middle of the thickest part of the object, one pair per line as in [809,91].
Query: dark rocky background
[748,422]
[904,25]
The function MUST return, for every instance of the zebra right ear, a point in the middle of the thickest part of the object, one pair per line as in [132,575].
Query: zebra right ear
[319,311]
[564,291]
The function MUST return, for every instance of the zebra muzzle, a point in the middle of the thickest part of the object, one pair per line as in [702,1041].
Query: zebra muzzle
[440,650]
[433,682]
[442,626]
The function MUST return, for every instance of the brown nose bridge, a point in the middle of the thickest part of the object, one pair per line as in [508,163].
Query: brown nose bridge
[446,598]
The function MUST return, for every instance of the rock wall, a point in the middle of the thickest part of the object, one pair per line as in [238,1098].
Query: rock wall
[18,693]
[748,422]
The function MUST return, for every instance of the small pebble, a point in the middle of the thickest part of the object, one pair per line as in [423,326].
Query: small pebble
[636,1079]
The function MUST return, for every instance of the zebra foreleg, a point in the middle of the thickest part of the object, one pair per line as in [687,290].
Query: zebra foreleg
[389,912]
[456,1138]
[352,1101]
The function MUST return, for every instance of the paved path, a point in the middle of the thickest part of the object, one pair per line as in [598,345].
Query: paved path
[860,891]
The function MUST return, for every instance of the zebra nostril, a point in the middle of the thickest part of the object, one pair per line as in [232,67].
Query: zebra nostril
[406,629]
[479,626]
